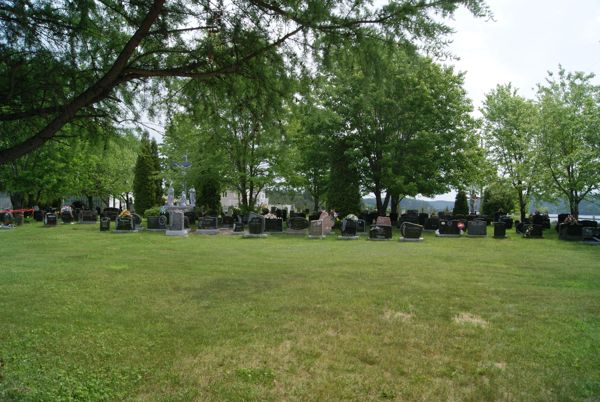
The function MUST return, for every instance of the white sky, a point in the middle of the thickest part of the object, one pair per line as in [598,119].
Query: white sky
[525,40]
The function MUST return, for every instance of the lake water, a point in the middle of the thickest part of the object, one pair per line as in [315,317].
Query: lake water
[554,217]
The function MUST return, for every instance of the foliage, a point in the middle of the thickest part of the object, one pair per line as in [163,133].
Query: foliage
[498,196]
[144,180]
[509,128]
[153,211]
[209,192]
[406,116]
[343,190]
[461,206]
[567,144]
[65,62]
[156,168]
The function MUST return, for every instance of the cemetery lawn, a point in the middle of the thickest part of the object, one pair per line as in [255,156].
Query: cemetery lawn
[86,315]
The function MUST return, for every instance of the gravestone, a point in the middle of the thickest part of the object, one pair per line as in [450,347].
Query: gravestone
[380,232]
[327,223]
[361,227]
[383,220]
[66,217]
[348,229]
[38,215]
[208,225]
[274,225]
[532,231]
[104,224]
[192,217]
[449,228]
[125,224]
[316,229]
[50,219]
[238,227]
[411,231]
[508,221]
[570,231]
[176,224]
[432,223]
[477,228]
[227,221]
[590,235]
[156,223]
[423,218]
[87,216]
[256,227]
[499,230]
[297,225]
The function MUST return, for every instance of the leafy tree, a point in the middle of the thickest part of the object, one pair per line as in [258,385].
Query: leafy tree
[406,116]
[343,192]
[209,192]
[509,129]
[568,137]
[311,134]
[498,196]
[64,62]
[144,181]
[461,206]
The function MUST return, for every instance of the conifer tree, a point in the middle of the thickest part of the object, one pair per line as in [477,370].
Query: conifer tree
[461,206]
[343,191]
[144,184]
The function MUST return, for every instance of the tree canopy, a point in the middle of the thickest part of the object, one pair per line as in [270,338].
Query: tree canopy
[63,63]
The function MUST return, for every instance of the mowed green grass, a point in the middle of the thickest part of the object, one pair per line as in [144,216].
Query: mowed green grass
[86,315]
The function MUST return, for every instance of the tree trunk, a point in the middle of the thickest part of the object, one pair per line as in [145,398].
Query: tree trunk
[574,206]
[395,201]
[379,202]
[16,199]
[522,205]
[386,201]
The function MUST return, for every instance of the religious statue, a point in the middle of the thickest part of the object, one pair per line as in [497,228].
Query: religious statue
[170,195]
[182,200]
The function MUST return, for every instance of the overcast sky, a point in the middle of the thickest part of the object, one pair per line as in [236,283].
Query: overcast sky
[525,39]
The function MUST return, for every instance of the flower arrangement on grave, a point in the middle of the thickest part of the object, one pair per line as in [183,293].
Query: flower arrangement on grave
[270,215]
[352,217]
[125,213]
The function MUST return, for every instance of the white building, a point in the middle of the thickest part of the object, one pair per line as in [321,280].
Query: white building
[231,198]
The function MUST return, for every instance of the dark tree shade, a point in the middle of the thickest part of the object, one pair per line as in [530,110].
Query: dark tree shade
[209,193]
[144,181]
[496,198]
[343,192]
[156,170]
[461,206]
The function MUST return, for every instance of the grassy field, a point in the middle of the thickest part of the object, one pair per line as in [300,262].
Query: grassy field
[86,315]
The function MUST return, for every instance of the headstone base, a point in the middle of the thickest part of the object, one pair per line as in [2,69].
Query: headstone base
[438,234]
[255,236]
[595,241]
[294,232]
[7,226]
[347,237]
[156,230]
[177,233]
[411,240]
[211,232]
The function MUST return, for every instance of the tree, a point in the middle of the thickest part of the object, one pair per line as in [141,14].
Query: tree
[498,196]
[461,206]
[406,116]
[509,128]
[568,137]
[157,170]
[343,192]
[144,181]
[64,62]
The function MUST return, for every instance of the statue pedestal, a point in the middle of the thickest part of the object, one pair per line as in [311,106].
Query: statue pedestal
[176,225]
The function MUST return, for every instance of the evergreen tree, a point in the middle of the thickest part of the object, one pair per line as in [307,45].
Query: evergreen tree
[209,192]
[461,206]
[343,191]
[144,183]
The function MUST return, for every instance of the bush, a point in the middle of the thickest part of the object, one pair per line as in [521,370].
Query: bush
[154,211]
